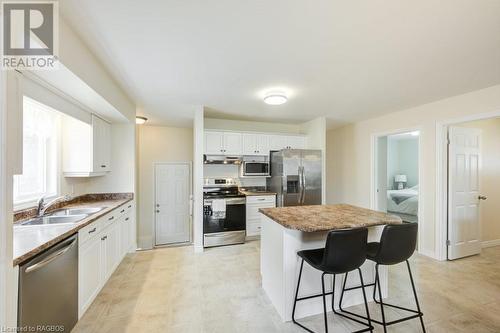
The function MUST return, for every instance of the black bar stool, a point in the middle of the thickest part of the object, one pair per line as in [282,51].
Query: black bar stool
[344,252]
[397,244]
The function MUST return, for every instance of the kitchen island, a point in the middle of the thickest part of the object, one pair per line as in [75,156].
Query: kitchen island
[287,230]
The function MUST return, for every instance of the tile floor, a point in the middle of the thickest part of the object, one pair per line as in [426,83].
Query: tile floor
[176,290]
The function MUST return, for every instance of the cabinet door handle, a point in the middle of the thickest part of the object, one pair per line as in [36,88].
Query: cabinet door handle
[104,238]
[129,206]
[157,210]
[103,166]
[123,210]
[111,218]
[127,219]
[93,230]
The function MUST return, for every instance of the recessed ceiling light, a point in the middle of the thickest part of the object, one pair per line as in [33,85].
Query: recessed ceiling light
[140,120]
[275,98]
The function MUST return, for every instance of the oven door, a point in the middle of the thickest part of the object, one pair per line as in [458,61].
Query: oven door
[255,169]
[235,219]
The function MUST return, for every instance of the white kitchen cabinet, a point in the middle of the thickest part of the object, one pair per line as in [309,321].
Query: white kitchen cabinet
[86,147]
[102,246]
[111,248]
[101,131]
[255,144]
[296,142]
[278,142]
[89,273]
[214,143]
[222,143]
[253,216]
[125,234]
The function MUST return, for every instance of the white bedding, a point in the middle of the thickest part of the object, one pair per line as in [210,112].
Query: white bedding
[407,198]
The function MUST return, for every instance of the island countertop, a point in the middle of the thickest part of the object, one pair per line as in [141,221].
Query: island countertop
[328,217]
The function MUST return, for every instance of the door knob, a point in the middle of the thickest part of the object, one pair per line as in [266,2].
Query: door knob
[482,197]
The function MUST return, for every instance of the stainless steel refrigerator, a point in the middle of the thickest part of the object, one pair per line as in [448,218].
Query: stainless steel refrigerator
[296,177]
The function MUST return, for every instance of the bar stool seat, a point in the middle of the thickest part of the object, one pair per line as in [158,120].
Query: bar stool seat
[345,251]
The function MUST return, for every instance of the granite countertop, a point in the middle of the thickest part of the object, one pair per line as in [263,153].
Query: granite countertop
[30,240]
[254,193]
[328,217]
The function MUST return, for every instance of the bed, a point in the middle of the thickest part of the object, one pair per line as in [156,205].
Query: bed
[404,203]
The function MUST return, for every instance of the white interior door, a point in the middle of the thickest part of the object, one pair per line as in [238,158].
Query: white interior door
[172,203]
[464,161]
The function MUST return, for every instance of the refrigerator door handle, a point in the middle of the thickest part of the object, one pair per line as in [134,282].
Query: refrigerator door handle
[303,185]
[299,172]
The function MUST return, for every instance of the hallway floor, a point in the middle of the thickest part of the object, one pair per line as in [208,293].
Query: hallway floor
[176,290]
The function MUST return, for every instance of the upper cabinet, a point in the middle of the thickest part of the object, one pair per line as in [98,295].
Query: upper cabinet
[222,143]
[86,147]
[256,144]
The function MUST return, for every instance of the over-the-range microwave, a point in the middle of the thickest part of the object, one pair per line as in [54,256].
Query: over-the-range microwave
[254,169]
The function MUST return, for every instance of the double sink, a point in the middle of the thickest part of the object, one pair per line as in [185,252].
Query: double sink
[60,216]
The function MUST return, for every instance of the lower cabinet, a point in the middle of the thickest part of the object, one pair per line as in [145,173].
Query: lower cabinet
[253,216]
[90,273]
[102,246]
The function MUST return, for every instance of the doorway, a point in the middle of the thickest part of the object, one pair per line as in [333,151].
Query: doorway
[396,175]
[172,207]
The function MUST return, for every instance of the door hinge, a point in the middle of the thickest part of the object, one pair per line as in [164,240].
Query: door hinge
[448,243]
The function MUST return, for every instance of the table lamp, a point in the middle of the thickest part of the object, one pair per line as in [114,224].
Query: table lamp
[400,180]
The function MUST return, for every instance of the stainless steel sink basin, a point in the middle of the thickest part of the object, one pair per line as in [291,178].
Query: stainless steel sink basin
[48,220]
[76,211]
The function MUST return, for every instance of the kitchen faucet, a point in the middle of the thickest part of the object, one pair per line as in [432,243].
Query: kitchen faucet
[42,207]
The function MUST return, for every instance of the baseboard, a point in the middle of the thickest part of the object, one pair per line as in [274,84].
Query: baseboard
[490,243]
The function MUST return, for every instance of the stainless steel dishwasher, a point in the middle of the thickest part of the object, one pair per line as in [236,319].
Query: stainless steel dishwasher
[48,289]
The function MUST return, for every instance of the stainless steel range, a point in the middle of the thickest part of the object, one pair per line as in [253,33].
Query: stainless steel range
[224,213]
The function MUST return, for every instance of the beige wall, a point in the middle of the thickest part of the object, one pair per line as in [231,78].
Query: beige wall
[157,144]
[490,176]
[349,152]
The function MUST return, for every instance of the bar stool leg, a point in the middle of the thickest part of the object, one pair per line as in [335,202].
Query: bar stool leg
[296,296]
[415,294]
[377,282]
[364,297]
[324,301]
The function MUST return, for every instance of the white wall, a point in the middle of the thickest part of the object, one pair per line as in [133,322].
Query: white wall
[256,126]
[156,144]
[349,152]
[78,58]
[402,158]
[490,176]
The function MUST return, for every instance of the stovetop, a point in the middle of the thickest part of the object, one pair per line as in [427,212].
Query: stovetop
[222,192]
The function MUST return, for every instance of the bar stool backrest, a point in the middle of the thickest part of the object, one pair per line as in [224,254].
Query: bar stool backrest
[345,250]
[398,243]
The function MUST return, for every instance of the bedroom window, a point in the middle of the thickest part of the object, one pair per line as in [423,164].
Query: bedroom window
[40,154]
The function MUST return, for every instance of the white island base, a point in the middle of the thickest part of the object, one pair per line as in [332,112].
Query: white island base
[280,267]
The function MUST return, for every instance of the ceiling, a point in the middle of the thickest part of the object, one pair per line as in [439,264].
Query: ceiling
[346,60]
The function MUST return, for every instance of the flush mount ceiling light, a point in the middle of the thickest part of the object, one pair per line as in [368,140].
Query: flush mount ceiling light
[275,98]
[140,120]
